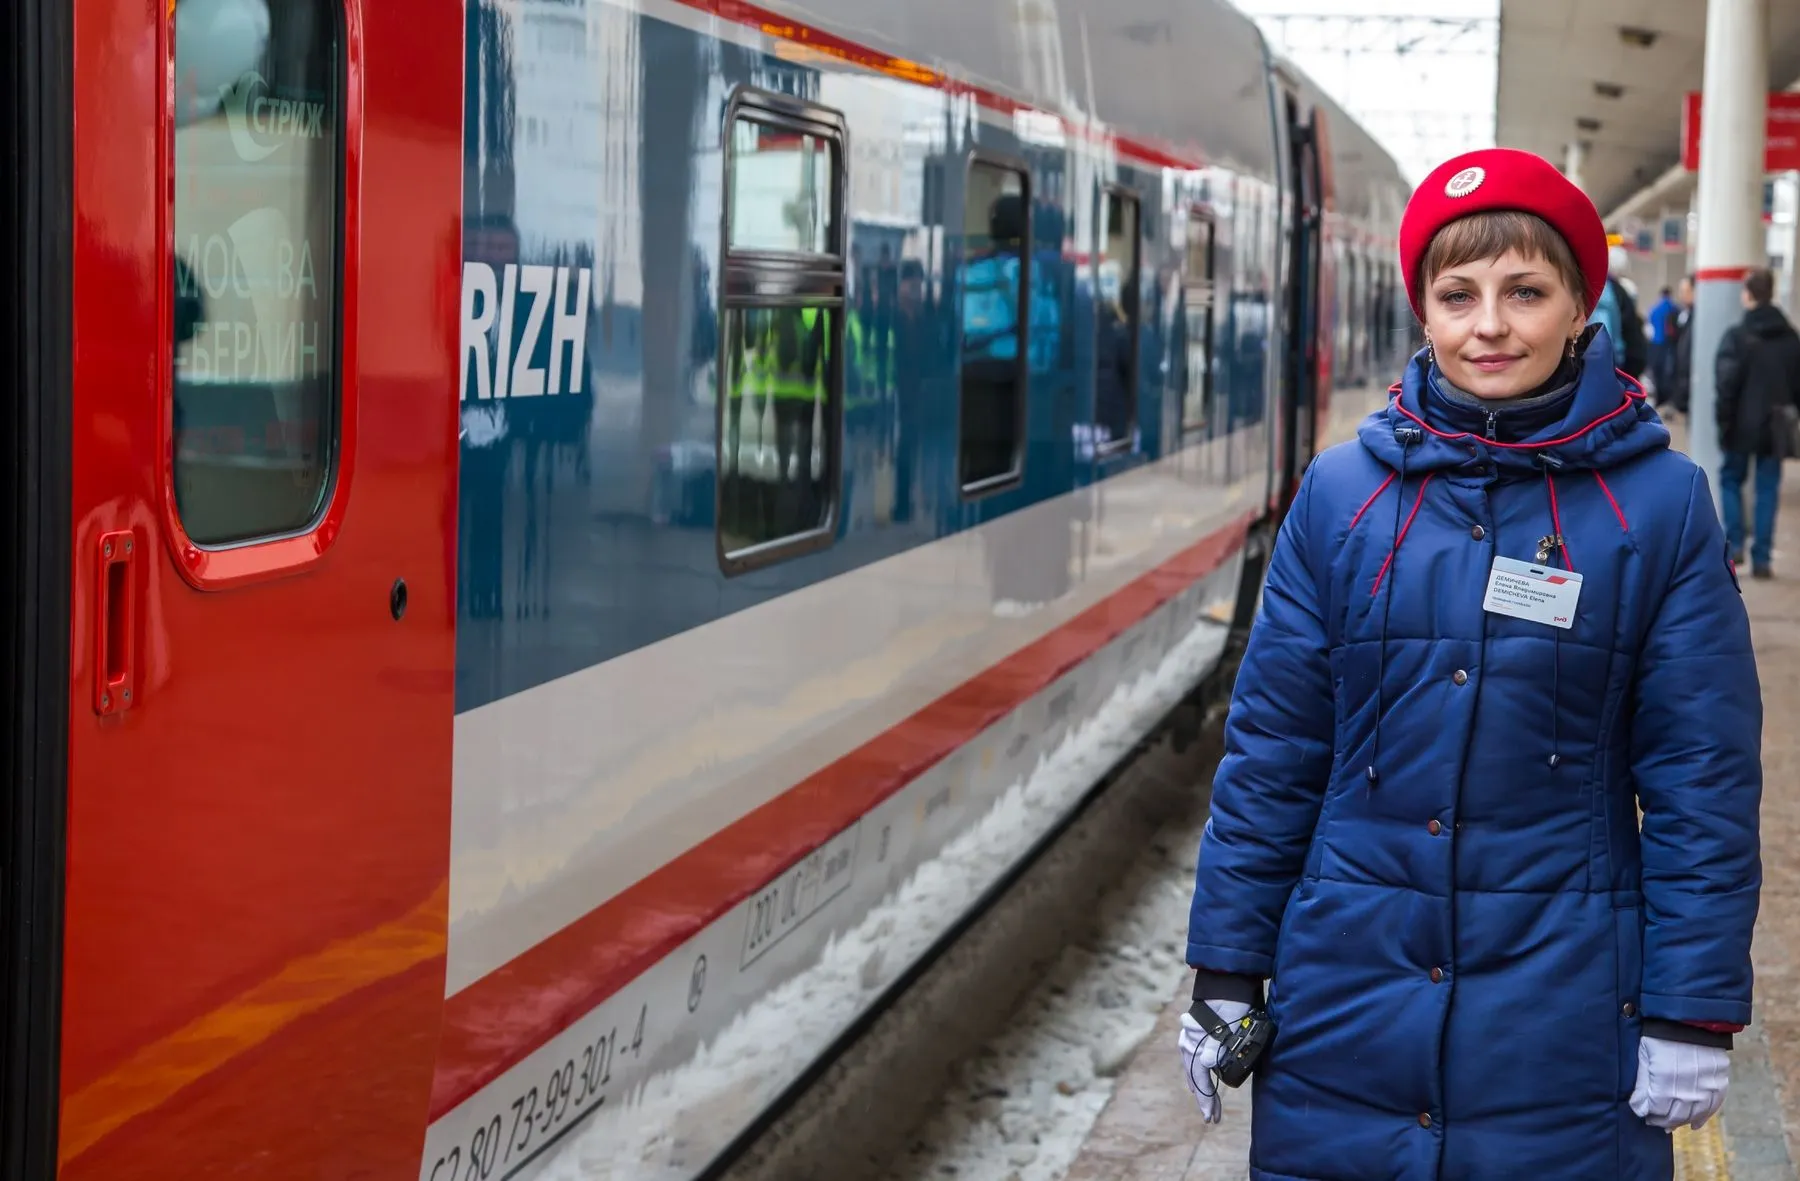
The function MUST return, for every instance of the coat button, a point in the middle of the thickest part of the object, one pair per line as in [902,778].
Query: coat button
[1424,1119]
[1460,677]
[1434,828]
[1437,975]
[1628,1009]
[1478,533]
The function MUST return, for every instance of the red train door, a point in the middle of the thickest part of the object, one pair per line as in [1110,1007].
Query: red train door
[257,344]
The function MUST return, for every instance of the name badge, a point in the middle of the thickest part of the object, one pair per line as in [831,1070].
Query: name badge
[1536,593]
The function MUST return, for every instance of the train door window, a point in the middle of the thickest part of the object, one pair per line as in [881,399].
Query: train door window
[781,376]
[1116,316]
[995,283]
[258,260]
[1197,302]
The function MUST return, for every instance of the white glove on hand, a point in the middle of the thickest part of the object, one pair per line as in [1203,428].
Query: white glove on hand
[1679,1083]
[1200,1053]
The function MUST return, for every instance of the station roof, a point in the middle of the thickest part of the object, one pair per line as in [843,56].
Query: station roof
[1624,65]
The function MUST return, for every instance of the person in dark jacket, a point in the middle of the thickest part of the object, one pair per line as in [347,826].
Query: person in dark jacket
[1495,626]
[1757,376]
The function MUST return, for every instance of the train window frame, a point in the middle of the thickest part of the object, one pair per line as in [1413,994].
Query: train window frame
[1201,220]
[754,278]
[213,567]
[1115,447]
[1014,476]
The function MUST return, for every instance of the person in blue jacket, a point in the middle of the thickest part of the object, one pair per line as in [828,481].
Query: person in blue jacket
[1496,625]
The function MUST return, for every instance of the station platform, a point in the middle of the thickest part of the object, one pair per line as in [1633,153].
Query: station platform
[1150,1129]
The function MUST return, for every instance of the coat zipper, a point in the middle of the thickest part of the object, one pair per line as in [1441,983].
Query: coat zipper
[1490,431]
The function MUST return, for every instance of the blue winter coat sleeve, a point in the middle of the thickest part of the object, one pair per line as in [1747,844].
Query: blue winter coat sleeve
[1696,754]
[1269,786]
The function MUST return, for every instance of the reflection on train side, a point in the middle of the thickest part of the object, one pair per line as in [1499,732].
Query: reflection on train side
[777,411]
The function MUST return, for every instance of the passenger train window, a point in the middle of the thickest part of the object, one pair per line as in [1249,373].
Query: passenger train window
[780,373]
[1116,316]
[781,189]
[1197,303]
[994,278]
[257,246]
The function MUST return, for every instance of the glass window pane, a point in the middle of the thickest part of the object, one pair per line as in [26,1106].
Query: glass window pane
[781,192]
[1115,386]
[993,313]
[779,424]
[257,145]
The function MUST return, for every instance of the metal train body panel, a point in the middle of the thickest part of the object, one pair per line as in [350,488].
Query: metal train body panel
[553,641]
[684,785]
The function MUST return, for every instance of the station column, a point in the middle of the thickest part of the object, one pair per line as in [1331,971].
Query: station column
[1730,239]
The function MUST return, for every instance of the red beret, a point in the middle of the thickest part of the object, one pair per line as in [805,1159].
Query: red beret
[1502,178]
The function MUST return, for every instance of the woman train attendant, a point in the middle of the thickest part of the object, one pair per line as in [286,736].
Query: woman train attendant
[1497,625]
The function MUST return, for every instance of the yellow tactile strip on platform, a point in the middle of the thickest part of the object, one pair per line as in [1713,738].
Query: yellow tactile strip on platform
[1701,1156]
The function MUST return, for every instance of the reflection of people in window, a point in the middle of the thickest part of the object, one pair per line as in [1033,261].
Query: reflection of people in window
[801,371]
[742,383]
[1112,378]
[990,347]
[912,350]
[781,366]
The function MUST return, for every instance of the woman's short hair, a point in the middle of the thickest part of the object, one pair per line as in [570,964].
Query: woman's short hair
[1488,235]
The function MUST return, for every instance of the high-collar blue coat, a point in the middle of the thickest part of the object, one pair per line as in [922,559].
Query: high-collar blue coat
[1426,827]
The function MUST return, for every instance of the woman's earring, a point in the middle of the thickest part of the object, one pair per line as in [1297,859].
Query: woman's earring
[1571,348]
[1430,354]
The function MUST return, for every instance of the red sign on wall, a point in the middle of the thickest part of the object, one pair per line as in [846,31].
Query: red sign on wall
[1782,153]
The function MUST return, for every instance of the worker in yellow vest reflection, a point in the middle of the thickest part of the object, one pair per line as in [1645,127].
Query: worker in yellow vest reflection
[799,367]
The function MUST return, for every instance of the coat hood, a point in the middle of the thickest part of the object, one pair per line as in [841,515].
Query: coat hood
[1766,320]
[1602,422]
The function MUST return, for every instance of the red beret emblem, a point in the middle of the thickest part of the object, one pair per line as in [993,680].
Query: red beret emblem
[1465,182]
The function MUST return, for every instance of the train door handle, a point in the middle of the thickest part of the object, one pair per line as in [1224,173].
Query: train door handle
[115,626]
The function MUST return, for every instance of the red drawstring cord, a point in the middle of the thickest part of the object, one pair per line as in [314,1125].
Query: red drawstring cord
[1612,500]
[1372,499]
[1417,501]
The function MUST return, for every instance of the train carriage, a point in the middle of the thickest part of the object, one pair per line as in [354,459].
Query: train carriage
[559,546]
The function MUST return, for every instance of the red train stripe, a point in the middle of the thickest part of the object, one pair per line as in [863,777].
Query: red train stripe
[805,40]
[507,1014]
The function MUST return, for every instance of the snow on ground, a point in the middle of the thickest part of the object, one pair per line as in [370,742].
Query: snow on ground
[1024,1103]
[675,1120]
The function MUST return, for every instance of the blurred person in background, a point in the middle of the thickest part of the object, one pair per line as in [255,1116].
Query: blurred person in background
[1757,379]
[1662,334]
[1681,353]
[1617,312]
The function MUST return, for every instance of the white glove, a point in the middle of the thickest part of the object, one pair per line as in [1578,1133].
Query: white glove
[1201,1053]
[1679,1083]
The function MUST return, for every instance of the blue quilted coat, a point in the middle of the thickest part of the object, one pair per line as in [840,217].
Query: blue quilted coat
[1425,829]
